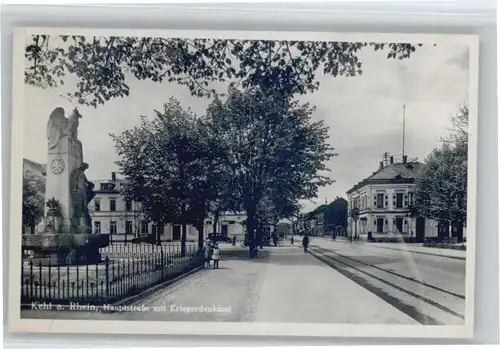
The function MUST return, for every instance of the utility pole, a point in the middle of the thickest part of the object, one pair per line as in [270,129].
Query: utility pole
[404,117]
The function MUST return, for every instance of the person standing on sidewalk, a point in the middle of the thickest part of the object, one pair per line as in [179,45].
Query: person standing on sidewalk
[208,254]
[216,256]
[305,243]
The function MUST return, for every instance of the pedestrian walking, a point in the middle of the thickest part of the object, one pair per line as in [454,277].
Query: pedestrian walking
[291,239]
[208,254]
[305,243]
[234,240]
[216,255]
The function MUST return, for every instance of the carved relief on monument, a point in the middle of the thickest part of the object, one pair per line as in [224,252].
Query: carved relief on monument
[57,165]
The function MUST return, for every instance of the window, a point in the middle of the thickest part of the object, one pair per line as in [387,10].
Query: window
[128,227]
[112,227]
[144,228]
[104,186]
[112,205]
[97,205]
[399,200]
[128,205]
[97,227]
[380,200]
[380,225]
[398,222]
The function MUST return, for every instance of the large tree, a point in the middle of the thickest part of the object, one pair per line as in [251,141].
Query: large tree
[442,186]
[103,65]
[460,125]
[166,164]
[273,150]
[33,199]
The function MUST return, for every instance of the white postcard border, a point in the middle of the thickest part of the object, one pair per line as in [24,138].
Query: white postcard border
[16,324]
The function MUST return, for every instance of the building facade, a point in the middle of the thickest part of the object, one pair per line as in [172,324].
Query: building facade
[34,167]
[328,219]
[124,220]
[383,204]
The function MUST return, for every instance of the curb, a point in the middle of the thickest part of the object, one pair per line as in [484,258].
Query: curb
[125,301]
[425,253]
[411,251]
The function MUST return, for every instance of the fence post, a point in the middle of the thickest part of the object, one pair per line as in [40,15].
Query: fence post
[162,265]
[106,261]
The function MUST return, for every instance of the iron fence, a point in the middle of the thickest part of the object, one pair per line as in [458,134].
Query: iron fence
[130,250]
[120,275]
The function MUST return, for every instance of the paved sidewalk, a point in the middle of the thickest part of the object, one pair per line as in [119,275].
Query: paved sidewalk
[226,294]
[414,248]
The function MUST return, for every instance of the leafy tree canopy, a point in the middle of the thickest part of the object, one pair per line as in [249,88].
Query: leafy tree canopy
[442,187]
[173,167]
[165,163]
[33,198]
[460,125]
[274,151]
[102,64]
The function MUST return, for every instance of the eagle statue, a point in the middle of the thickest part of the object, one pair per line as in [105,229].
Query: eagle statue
[59,126]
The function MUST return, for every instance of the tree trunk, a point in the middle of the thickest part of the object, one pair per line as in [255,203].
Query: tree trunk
[216,221]
[158,237]
[183,240]
[459,228]
[251,233]
[201,237]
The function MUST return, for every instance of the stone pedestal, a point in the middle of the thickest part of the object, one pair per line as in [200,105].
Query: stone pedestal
[63,249]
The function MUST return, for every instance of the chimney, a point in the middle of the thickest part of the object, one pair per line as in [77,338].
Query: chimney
[113,176]
[405,158]
[381,165]
[391,159]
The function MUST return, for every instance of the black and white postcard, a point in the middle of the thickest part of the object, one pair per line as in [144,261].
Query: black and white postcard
[243,183]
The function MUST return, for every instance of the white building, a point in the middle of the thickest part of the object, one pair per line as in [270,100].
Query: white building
[123,220]
[384,201]
[34,167]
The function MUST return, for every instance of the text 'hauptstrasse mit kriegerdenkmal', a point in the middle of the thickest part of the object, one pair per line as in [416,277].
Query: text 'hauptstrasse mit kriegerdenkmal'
[175,308]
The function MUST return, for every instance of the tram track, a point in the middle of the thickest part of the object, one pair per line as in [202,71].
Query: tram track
[426,303]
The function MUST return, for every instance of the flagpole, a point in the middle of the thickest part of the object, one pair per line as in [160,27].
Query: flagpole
[404,117]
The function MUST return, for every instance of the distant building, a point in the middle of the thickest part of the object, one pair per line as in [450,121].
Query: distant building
[327,219]
[34,167]
[384,200]
[336,217]
[283,228]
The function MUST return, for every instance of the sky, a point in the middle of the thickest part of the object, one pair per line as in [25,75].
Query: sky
[364,113]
